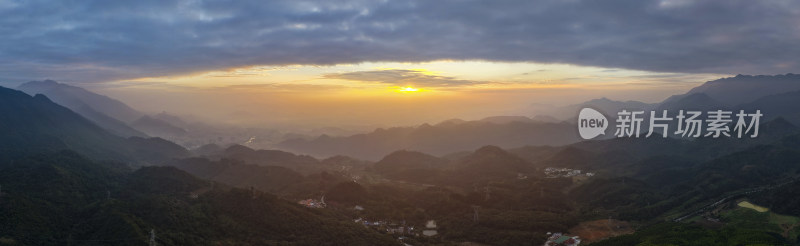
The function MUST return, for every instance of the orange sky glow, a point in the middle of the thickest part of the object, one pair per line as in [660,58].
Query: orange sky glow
[390,93]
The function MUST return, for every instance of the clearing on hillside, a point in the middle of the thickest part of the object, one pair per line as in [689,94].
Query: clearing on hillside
[746,204]
[596,230]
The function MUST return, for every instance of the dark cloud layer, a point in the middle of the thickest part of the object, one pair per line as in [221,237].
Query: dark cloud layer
[106,40]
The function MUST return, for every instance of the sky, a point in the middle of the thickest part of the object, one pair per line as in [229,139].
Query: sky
[389,62]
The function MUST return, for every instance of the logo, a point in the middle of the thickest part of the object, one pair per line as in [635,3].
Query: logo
[686,123]
[591,123]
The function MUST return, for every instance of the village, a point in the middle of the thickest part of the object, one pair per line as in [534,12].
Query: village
[313,203]
[390,227]
[555,172]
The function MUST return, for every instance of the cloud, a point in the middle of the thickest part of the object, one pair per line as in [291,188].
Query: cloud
[282,88]
[98,40]
[403,77]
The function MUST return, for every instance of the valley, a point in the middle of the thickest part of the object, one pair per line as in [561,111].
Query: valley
[605,192]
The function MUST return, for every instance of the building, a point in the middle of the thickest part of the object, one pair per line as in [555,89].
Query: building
[312,203]
[559,239]
[430,229]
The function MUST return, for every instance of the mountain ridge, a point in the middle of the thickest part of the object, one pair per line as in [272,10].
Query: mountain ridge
[106,112]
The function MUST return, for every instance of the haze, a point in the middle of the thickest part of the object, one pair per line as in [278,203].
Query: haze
[388,93]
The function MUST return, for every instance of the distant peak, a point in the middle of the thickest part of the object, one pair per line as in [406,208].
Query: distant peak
[545,118]
[779,122]
[408,155]
[211,145]
[506,119]
[42,97]
[46,82]
[761,77]
[45,85]
[238,147]
[490,149]
[164,113]
[404,152]
[145,118]
[602,99]
[698,95]
[454,121]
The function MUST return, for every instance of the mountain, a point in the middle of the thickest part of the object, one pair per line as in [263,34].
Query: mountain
[645,157]
[300,163]
[208,150]
[52,195]
[343,165]
[404,159]
[749,168]
[341,160]
[604,105]
[273,179]
[102,110]
[484,164]
[440,139]
[570,157]
[266,157]
[452,122]
[66,199]
[778,128]
[505,119]
[545,118]
[410,165]
[775,96]
[722,93]
[35,124]
[112,125]
[247,158]
[743,89]
[784,105]
[697,101]
[157,127]
[171,119]
[156,149]
[492,161]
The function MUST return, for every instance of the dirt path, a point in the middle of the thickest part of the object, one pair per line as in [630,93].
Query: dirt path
[596,230]
[787,228]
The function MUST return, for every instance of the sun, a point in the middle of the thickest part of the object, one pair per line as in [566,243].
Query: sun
[408,89]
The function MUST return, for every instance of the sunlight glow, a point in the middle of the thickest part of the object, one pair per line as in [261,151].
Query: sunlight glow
[408,89]
[438,78]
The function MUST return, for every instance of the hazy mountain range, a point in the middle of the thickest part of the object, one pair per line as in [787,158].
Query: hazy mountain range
[743,89]
[740,92]
[55,163]
[608,106]
[157,127]
[104,111]
[34,124]
[774,93]
[72,96]
[52,194]
[439,139]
